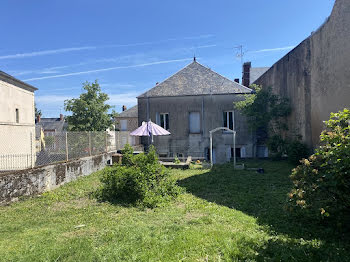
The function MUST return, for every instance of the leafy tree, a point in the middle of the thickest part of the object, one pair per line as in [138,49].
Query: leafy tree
[89,111]
[265,110]
[37,111]
[267,114]
[322,182]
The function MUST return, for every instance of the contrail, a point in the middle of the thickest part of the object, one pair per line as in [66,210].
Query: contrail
[72,49]
[48,52]
[108,69]
[273,49]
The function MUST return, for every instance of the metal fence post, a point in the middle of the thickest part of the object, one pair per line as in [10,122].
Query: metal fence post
[90,143]
[106,141]
[67,157]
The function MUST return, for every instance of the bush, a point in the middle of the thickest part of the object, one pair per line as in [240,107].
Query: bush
[141,181]
[296,150]
[322,182]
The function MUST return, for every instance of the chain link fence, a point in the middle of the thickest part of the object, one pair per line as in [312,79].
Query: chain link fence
[26,151]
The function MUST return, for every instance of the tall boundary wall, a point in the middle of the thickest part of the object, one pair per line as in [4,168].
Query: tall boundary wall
[37,180]
[315,75]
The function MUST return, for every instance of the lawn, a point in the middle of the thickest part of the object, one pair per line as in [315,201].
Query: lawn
[224,215]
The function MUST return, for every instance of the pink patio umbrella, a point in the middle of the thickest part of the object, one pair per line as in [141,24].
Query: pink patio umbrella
[150,129]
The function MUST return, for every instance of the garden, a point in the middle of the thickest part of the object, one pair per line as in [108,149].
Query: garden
[141,211]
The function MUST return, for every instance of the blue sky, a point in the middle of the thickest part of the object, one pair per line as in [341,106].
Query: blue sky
[130,45]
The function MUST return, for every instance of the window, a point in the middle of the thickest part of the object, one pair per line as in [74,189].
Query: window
[195,123]
[229,119]
[162,119]
[124,125]
[17,115]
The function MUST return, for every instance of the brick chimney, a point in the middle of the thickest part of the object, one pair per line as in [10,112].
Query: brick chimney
[38,118]
[124,108]
[61,117]
[237,80]
[246,74]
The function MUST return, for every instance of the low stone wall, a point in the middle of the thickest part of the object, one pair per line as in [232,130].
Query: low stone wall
[45,178]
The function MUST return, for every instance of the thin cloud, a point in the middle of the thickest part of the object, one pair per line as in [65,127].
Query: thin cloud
[108,69]
[137,58]
[47,52]
[273,49]
[73,49]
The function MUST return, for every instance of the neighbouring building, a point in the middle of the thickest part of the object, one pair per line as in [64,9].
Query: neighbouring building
[315,75]
[250,74]
[126,122]
[54,131]
[191,103]
[17,123]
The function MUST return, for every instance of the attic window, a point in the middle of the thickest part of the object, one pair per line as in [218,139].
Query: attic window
[17,115]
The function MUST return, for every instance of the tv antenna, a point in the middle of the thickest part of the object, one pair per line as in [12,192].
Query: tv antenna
[240,53]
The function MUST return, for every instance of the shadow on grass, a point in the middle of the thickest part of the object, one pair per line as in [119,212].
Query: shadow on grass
[259,195]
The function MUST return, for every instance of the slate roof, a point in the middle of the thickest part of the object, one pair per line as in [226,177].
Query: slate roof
[52,124]
[196,79]
[131,112]
[256,72]
[16,82]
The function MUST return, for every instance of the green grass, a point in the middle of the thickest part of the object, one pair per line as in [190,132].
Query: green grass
[224,215]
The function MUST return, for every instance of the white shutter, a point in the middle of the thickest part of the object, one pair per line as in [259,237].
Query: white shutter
[195,123]
[157,118]
[124,125]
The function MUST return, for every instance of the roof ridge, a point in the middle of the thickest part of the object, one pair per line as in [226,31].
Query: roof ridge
[167,79]
[226,77]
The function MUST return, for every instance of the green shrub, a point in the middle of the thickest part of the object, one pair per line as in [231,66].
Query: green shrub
[141,181]
[322,182]
[296,150]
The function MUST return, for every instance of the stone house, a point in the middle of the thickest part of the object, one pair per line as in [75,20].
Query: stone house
[54,131]
[315,75]
[17,123]
[191,103]
[126,122]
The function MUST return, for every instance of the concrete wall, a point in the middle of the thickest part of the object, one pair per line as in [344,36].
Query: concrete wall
[45,178]
[211,108]
[16,138]
[315,75]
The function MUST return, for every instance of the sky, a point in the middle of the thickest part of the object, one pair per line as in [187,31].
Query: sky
[128,46]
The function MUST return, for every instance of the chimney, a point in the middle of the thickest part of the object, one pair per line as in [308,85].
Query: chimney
[38,119]
[237,80]
[61,117]
[124,108]
[246,74]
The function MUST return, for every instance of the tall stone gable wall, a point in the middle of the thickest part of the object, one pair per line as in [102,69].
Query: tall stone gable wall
[315,75]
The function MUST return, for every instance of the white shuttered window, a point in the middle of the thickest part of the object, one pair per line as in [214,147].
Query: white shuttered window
[195,122]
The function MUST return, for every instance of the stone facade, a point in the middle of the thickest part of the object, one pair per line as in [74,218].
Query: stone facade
[183,143]
[315,75]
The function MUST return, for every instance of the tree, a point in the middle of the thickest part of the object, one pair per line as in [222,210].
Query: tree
[37,111]
[267,114]
[89,111]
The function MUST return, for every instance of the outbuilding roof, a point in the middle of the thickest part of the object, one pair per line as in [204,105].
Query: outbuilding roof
[196,79]
[131,112]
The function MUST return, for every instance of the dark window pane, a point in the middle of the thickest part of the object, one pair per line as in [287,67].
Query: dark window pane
[162,120]
[231,120]
[167,121]
[225,119]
